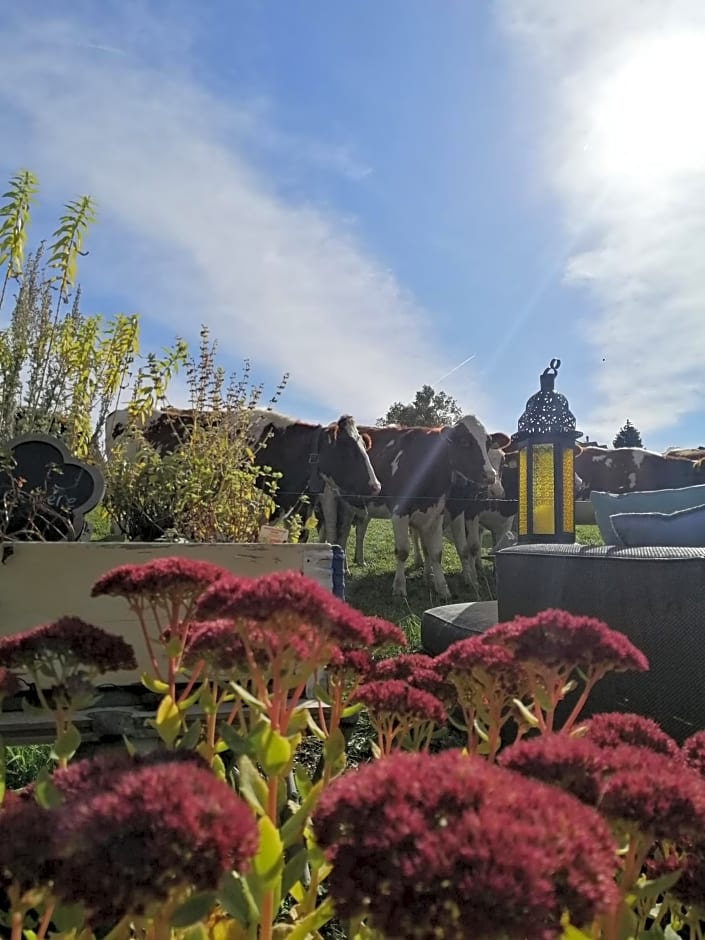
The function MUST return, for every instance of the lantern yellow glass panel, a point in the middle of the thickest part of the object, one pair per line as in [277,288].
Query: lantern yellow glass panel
[568,491]
[542,490]
[523,495]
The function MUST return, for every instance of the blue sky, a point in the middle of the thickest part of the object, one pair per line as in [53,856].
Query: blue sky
[366,194]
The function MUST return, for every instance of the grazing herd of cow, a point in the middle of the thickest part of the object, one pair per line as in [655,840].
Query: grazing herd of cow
[427,481]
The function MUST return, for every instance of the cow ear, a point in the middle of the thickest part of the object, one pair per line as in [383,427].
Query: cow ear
[367,441]
[498,441]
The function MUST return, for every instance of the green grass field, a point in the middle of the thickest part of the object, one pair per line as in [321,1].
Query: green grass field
[370,588]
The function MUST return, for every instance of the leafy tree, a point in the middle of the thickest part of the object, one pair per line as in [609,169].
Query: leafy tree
[429,409]
[628,436]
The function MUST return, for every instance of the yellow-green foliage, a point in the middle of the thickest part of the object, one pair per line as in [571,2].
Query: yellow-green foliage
[60,371]
[208,488]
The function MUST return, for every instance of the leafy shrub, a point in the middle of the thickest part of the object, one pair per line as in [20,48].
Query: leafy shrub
[208,486]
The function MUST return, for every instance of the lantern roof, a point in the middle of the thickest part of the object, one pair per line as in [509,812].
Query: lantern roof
[547,412]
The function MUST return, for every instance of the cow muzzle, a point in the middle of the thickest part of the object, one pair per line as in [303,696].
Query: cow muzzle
[376,488]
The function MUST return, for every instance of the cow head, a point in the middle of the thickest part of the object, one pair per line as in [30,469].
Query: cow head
[467,446]
[496,444]
[344,459]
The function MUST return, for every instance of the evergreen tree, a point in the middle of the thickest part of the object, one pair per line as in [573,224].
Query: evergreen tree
[628,436]
[429,409]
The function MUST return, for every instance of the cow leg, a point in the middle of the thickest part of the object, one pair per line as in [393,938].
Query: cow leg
[430,525]
[419,560]
[400,525]
[361,524]
[463,539]
[421,557]
[329,513]
[473,528]
[501,528]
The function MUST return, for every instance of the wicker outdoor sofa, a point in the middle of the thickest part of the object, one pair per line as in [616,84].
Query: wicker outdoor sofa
[656,596]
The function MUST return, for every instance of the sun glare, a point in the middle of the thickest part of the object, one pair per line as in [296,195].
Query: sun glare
[649,121]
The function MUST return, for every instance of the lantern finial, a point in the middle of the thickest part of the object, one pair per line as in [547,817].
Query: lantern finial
[548,376]
[547,412]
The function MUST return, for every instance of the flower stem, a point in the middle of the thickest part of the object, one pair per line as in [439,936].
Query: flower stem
[192,681]
[580,704]
[45,921]
[267,908]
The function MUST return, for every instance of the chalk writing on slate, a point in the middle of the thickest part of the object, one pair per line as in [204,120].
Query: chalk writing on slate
[45,489]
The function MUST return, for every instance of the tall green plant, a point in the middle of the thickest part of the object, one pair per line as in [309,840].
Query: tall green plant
[61,378]
[13,230]
[80,213]
[58,374]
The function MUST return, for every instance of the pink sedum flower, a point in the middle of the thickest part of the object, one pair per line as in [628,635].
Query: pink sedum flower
[386,634]
[430,845]
[555,638]
[285,600]
[159,578]
[399,699]
[576,765]
[218,644]
[25,848]
[652,792]
[693,752]
[158,828]
[70,639]
[610,729]
[93,775]
[418,670]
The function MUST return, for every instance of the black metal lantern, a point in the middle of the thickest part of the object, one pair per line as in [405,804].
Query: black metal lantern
[545,440]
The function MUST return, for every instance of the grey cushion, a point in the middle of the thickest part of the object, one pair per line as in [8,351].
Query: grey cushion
[664,501]
[442,626]
[684,529]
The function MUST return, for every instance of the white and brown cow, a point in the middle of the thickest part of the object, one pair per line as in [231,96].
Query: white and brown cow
[418,468]
[465,513]
[624,469]
[335,455]
[460,516]
[690,453]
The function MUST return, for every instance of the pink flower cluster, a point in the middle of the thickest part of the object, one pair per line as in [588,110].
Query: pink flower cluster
[283,602]
[556,638]
[71,640]
[436,845]
[398,699]
[483,675]
[159,579]
[420,671]
[128,833]
[646,784]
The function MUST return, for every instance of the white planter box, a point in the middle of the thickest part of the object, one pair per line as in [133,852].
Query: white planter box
[40,582]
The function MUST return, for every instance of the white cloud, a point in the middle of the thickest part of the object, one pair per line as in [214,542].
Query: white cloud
[197,232]
[629,169]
